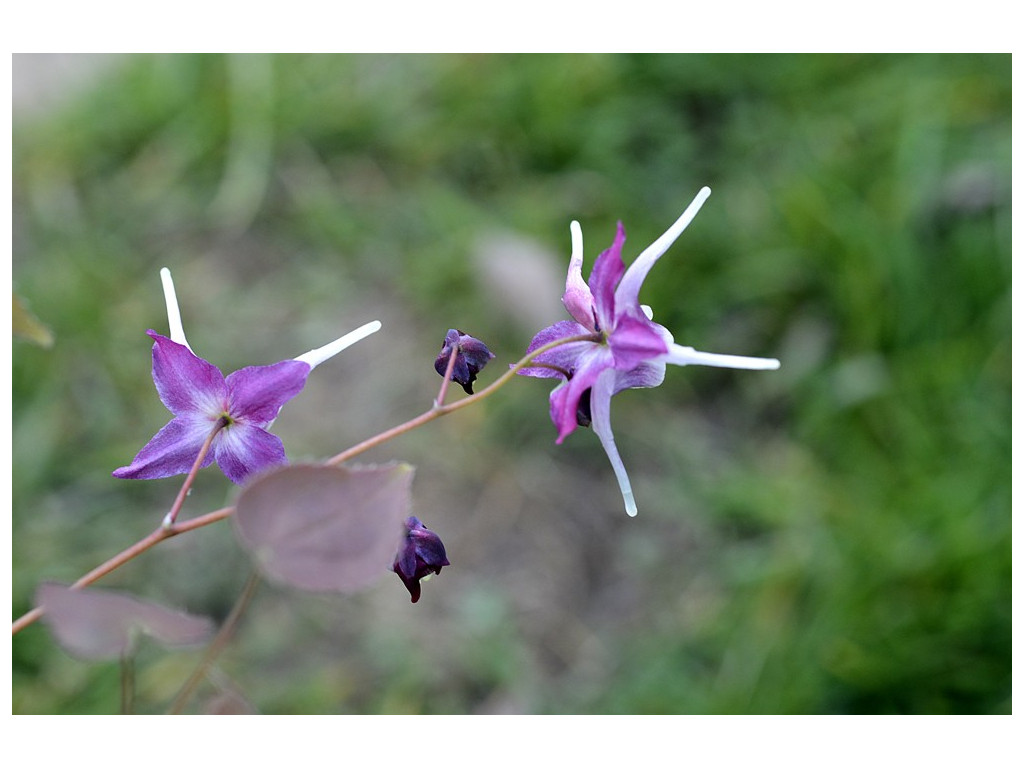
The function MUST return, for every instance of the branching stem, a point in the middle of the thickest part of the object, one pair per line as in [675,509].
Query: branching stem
[217,645]
[170,527]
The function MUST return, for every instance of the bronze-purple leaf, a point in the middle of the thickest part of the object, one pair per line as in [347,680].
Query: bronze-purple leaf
[100,624]
[324,528]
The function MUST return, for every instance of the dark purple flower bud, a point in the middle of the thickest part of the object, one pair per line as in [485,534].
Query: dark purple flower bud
[421,555]
[471,355]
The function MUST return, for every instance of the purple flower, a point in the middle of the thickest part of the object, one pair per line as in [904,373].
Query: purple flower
[421,555]
[246,402]
[627,349]
[471,355]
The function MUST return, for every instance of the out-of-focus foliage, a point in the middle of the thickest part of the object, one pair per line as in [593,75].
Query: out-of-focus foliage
[831,537]
[100,624]
[28,327]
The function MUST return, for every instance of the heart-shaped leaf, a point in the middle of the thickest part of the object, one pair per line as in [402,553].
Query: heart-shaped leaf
[94,624]
[324,528]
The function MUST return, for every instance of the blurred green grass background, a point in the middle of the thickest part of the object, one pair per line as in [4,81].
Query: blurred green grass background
[833,537]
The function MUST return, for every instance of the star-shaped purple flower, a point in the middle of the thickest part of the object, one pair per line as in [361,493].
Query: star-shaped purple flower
[199,395]
[627,349]
[245,404]
[421,555]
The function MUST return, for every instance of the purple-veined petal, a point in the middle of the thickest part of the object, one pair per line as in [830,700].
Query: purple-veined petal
[635,341]
[604,277]
[563,329]
[258,392]
[243,449]
[600,410]
[644,376]
[577,297]
[565,398]
[628,292]
[565,357]
[543,373]
[679,355]
[172,451]
[185,383]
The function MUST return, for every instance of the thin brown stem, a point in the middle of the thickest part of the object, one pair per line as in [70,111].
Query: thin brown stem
[169,530]
[125,555]
[216,645]
[201,521]
[440,410]
[447,378]
[179,501]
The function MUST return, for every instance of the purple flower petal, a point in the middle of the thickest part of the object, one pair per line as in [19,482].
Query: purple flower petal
[185,383]
[243,449]
[644,376]
[578,299]
[172,451]
[461,373]
[565,398]
[429,547]
[476,353]
[635,341]
[564,357]
[604,277]
[405,563]
[258,392]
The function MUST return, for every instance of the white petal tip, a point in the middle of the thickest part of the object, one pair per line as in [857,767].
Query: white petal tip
[679,355]
[576,236]
[630,502]
[177,332]
[705,193]
[314,357]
